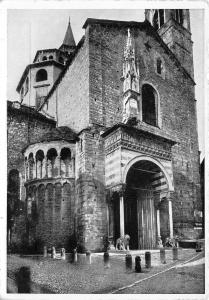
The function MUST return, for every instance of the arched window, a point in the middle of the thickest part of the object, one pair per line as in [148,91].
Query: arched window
[51,57]
[31,165]
[61,60]
[159,66]
[155,20]
[22,93]
[14,183]
[13,201]
[39,163]
[41,75]
[51,159]
[65,156]
[158,18]
[44,58]
[149,105]
[179,16]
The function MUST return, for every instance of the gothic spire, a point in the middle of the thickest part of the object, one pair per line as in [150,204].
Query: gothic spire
[68,44]
[129,50]
[130,69]
[130,80]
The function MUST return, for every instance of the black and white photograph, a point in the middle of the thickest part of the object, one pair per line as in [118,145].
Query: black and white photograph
[105,150]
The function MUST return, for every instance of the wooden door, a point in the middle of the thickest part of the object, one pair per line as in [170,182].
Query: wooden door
[146,220]
[130,214]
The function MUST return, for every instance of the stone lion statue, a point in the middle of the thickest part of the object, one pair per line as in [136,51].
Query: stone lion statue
[122,243]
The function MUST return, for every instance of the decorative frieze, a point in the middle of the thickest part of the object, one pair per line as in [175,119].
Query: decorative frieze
[139,143]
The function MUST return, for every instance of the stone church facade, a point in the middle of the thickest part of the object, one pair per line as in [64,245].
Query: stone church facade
[104,140]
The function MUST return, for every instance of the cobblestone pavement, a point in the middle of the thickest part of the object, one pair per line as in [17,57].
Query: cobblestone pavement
[60,276]
[184,280]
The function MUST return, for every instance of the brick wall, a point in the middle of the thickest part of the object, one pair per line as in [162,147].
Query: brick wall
[91,207]
[55,222]
[179,41]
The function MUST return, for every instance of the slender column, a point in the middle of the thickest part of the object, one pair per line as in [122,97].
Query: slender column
[29,169]
[158,223]
[34,169]
[26,171]
[121,215]
[38,173]
[41,169]
[140,107]
[73,166]
[49,168]
[108,221]
[170,217]
[58,164]
[20,177]
[44,167]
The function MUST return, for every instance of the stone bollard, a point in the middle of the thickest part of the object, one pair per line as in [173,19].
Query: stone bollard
[175,253]
[75,255]
[88,257]
[128,259]
[106,259]
[45,251]
[63,253]
[198,247]
[23,280]
[53,252]
[162,256]
[148,259]
[138,268]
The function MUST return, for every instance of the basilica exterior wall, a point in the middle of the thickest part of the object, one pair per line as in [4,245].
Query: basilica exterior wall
[176,100]
[22,126]
[89,99]
[69,100]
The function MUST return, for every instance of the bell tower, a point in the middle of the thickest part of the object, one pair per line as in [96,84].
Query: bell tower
[173,26]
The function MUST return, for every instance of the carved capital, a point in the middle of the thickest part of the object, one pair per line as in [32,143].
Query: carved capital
[115,192]
[170,196]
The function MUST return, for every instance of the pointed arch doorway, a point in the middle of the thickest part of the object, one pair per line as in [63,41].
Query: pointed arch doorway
[146,184]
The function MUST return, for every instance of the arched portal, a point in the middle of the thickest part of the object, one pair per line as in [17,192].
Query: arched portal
[146,184]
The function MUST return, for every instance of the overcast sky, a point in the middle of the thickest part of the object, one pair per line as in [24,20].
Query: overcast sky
[32,30]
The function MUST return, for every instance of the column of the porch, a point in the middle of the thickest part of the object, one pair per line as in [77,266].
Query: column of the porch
[121,214]
[170,213]
[120,193]
[158,223]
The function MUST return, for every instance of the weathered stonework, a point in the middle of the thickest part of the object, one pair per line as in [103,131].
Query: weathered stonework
[122,148]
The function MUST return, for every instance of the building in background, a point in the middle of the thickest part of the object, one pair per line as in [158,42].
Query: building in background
[104,141]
